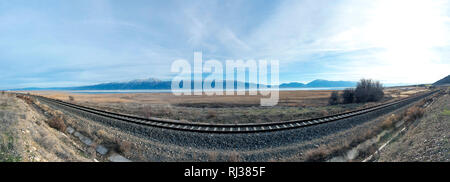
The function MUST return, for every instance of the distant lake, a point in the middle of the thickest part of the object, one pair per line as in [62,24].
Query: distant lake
[170,91]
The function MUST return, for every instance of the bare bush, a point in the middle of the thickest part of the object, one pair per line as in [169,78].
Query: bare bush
[102,134]
[368,90]
[147,111]
[321,153]
[109,140]
[27,99]
[213,156]
[71,98]
[234,157]
[211,114]
[317,155]
[166,111]
[57,122]
[324,113]
[348,96]
[414,113]
[389,122]
[334,98]
[124,146]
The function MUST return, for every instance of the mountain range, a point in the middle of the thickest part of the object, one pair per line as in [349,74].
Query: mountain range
[319,83]
[152,83]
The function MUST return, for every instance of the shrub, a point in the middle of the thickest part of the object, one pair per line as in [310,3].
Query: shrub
[124,146]
[213,156]
[348,96]
[71,98]
[317,155]
[414,113]
[324,113]
[368,90]
[147,111]
[57,122]
[334,98]
[389,122]
[322,153]
[234,157]
[211,114]
[166,111]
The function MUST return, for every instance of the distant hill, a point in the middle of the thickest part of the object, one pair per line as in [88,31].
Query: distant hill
[155,84]
[131,85]
[292,85]
[443,81]
[326,83]
[142,84]
[319,83]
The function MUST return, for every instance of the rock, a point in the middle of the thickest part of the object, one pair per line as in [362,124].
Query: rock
[85,140]
[118,158]
[101,149]
[70,130]
[337,159]
[352,154]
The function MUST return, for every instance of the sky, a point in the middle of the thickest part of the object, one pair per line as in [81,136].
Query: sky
[58,43]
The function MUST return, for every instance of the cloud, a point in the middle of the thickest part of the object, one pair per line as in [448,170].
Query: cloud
[364,39]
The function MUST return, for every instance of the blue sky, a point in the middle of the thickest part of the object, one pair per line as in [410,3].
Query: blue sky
[49,43]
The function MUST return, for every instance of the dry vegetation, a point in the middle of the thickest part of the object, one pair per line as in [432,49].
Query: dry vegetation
[370,138]
[59,121]
[366,90]
[55,118]
[26,136]
[427,140]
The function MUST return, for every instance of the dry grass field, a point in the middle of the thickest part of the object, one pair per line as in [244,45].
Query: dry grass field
[220,109]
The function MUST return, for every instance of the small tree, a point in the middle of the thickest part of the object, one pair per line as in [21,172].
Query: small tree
[348,96]
[368,90]
[334,98]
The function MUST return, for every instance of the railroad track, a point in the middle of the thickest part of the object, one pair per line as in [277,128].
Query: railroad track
[226,128]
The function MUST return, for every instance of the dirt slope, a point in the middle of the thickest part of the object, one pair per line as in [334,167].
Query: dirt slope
[427,140]
[25,136]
